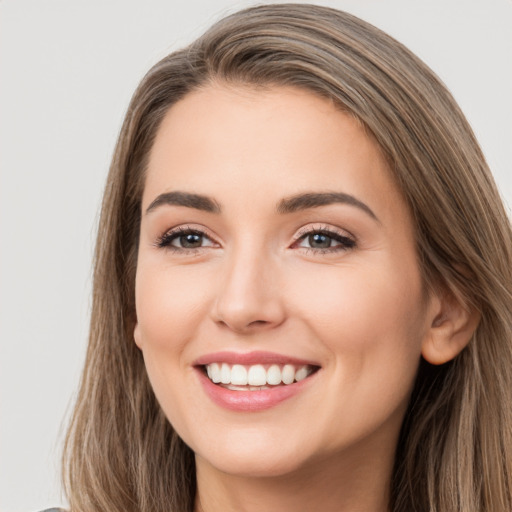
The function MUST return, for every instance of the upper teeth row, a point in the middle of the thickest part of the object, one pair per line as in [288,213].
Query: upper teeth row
[256,375]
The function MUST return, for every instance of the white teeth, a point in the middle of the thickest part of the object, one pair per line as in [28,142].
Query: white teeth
[288,374]
[246,388]
[214,372]
[225,374]
[255,377]
[301,374]
[238,375]
[274,375]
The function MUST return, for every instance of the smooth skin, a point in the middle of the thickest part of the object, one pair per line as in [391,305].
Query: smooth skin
[338,284]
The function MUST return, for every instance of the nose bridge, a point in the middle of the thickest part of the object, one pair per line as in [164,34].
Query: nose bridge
[248,293]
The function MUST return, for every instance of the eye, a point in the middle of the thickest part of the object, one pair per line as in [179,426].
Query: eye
[188,241]
[182,239]
[324,240]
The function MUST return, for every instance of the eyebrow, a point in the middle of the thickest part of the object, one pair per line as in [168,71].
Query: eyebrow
[177,198]
[315,199]
[291,204]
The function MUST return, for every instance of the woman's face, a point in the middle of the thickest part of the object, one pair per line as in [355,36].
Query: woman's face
[275,246]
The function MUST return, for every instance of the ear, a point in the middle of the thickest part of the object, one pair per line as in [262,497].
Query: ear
[137,335]
[453,324]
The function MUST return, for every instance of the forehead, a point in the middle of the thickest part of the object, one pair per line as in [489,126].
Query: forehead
[238,141]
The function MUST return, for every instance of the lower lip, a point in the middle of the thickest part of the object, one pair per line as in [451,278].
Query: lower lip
[251,401]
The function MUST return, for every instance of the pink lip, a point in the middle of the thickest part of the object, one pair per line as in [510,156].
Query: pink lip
[251,401]
[248,358]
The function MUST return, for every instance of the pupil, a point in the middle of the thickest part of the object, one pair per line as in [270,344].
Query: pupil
[191,240]
[319,241]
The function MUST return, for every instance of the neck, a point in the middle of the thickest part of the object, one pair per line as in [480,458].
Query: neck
[339,484]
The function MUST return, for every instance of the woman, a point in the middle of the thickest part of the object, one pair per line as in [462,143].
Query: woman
[302,291]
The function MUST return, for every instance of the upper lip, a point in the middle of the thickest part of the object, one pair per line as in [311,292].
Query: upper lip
[250,358]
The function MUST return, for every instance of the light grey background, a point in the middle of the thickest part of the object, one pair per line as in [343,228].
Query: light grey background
[68,68]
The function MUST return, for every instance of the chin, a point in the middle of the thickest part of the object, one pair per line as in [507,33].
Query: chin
[253,458]
[256,466]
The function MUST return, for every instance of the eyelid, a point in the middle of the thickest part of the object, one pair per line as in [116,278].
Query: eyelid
[346,240]
[343,237]
[323,228]
[163,240]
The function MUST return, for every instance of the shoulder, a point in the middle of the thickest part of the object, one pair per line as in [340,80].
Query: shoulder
[53,510]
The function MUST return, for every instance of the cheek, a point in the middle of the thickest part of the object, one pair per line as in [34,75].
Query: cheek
[360,298]
[370,323]
[370,318]
[169,301]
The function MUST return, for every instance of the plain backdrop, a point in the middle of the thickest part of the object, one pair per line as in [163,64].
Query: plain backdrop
[68,69]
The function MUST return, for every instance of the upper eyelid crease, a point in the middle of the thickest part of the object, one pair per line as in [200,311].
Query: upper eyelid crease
[165,239]
[322,228]
[184,229]
[330,233]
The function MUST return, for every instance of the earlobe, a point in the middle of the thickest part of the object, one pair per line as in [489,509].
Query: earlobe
[137,336]
[452,327]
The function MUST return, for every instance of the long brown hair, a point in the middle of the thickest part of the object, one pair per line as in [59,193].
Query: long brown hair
[455,448]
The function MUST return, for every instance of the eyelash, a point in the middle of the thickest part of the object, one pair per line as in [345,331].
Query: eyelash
[165,241]
[345,242]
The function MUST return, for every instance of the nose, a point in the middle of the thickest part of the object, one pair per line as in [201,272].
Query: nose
[249,297]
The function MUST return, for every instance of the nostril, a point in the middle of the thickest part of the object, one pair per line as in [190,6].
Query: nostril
[242,325]
[246,301]
[258,322]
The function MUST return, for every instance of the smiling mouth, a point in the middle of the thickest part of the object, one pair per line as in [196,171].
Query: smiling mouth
[256,377]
